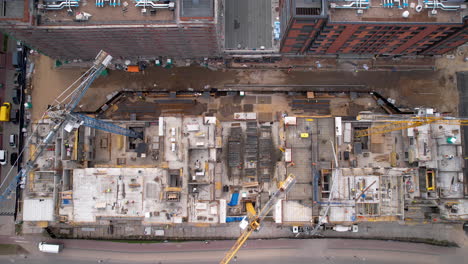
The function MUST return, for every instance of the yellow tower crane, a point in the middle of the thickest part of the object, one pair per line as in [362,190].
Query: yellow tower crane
[255,219]
[410,122]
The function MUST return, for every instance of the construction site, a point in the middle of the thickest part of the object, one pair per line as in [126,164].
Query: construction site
[154,159]
[150,121]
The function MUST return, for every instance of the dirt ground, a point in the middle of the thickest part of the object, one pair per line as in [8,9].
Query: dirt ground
[409,88]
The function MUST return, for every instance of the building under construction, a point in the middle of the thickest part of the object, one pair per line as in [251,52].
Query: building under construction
[206,158]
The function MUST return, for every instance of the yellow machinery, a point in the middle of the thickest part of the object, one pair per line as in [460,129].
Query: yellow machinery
[255,219]
[250,210]
[5,110]
[409,123]
[430,180]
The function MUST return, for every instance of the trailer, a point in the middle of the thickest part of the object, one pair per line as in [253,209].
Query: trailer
[50,247]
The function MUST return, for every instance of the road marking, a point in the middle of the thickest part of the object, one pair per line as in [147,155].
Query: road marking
[21,241]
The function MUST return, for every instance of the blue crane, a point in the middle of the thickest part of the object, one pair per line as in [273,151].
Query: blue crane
[62,115]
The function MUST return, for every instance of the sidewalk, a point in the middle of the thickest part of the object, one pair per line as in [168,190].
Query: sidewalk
[439,234]
[7,207]
[341,64]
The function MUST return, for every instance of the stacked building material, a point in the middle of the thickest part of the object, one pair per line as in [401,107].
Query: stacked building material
[234,147]
[251,150]
[265,154]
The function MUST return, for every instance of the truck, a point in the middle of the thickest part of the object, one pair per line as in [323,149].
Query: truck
[343,228]
[50,247]
[5,110]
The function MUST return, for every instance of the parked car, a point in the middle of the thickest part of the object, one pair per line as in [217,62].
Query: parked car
[13,158]
[12,141]
[16,95]
[3,157]
[15,117]
[19,46]
[17,59]
[19,78]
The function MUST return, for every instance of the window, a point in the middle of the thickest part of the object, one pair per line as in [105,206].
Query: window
[307,28]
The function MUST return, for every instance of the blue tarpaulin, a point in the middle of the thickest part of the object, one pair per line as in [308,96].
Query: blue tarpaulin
[234,219]
[234,199]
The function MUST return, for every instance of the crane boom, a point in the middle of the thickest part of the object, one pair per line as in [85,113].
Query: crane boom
[59,115]
[62,112]
[105,126]
[254,223]
[404,122]
[396,125]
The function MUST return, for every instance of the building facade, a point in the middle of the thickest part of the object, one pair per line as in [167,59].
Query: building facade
[370,27]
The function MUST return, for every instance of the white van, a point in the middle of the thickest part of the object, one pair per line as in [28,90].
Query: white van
[3,157]
[50,247]
[342,228]
[13,140]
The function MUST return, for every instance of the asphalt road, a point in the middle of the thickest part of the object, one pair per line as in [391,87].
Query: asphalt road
[462,83]
[329,251]
[8,172]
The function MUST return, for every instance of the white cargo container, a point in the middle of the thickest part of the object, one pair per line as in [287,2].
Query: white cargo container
[49,247]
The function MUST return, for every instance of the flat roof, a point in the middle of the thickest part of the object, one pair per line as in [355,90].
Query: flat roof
[308,3]
[374,11]
[197,8]
[248,24]
[38,210]
[107,14]
[12,9]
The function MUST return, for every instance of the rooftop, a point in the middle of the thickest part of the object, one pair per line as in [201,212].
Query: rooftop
[12,9]
[197,8]
[38,210]
[396,11]
[248,24]
[105,12]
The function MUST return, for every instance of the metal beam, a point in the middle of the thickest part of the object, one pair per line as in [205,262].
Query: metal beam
[106,126]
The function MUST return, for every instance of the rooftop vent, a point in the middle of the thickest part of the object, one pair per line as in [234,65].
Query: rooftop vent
[305,11]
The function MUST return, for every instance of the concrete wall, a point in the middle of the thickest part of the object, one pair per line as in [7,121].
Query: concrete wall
[190,41]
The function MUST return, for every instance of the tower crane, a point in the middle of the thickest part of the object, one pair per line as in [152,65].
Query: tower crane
[254,219]
[63,116]
[403,122]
